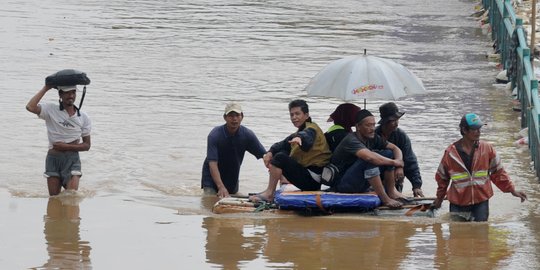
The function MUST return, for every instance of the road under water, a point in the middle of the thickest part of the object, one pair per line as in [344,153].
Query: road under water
[161,74]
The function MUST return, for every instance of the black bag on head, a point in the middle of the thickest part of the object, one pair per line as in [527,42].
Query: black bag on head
[67,77]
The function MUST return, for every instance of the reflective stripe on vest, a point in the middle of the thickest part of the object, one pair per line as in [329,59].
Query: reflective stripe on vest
[459,176]
[480,174]
[476,182]
[462,180]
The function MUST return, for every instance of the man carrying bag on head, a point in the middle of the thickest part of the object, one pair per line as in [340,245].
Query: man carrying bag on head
[68,131]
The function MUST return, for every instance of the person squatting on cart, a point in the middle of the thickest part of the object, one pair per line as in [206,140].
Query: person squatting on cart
[298,159]
[389,130]
[344,119]
[360,160]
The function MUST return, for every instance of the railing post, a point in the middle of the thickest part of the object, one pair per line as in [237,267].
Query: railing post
[534,131]
[504,33]
[533,28]
[519,25]
[524,100]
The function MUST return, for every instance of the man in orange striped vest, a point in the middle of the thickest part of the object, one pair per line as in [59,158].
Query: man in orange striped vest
[465,172]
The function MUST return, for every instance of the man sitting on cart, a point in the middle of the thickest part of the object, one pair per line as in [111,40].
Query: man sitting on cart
[362,157]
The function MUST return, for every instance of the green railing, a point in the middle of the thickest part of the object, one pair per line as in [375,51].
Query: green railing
[511,40]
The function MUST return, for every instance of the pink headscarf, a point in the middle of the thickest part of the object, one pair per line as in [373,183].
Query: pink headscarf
[345,115]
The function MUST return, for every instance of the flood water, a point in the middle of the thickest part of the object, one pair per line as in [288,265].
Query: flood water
[162,72]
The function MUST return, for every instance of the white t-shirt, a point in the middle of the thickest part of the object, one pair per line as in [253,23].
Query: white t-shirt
[61,127]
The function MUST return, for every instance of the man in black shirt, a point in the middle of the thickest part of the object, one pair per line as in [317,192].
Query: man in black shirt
[362,156]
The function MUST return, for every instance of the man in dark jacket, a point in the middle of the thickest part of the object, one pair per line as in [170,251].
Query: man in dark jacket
[388,129]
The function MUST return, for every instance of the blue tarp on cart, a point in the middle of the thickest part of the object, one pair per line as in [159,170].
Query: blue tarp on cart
[326,200]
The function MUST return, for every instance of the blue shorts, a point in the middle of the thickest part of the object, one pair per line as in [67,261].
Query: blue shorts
[475,212]
[355,178]
[63,165]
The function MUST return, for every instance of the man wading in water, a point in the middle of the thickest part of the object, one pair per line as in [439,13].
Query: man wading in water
[466,171]
[66,125]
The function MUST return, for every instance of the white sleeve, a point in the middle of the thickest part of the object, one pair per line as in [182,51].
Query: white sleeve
[45,110]
[87,125]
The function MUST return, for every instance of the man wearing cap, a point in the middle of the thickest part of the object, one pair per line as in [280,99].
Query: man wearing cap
[225,151]
[66,126]
[465,172]
[388,130]
[362,157]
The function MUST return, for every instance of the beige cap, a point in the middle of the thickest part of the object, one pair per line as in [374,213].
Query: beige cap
[67,88]
[233,107]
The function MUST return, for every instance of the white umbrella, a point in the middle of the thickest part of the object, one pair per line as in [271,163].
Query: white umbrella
[362,77]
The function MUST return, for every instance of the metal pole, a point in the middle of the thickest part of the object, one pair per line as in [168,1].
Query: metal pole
[533,28]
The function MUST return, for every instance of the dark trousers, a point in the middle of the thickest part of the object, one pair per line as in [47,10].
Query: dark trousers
[475,212]
[296,173]
[356,178]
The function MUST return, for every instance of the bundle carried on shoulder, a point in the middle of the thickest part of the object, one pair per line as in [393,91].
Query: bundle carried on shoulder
[67,77]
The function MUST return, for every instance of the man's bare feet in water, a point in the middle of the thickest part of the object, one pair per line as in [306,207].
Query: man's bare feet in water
[392,203]
[396,195]
[261,197]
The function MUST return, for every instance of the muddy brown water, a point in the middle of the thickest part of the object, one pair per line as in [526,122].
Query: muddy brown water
[161,74]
